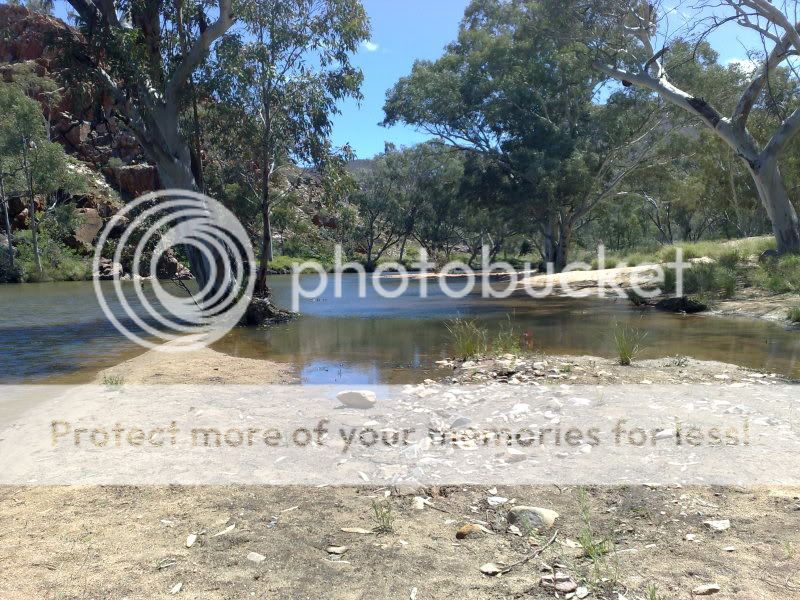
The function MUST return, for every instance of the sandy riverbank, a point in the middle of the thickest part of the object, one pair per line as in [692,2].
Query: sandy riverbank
[197,367]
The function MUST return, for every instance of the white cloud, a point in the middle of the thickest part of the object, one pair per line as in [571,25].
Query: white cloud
[370,46]
[745,65]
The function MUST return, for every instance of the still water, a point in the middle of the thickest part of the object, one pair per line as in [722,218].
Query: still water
[57,332]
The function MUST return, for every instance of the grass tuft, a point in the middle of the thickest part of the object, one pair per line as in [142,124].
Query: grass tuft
[468,339]
[628,342]
[382,516]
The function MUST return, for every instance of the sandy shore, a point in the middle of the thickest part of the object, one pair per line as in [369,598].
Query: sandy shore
[200,367]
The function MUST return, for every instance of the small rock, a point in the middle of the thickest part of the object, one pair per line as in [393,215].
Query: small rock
[227,530]
[256,557]
[359,530]
[496,500]
[191,539]
[718,525]
[690,537]
[357,398]
[560,582]
[532,517]
[581,592]
[729,549]
[469,530]
[338,550]
[176,588]
[706,590]
[419,503]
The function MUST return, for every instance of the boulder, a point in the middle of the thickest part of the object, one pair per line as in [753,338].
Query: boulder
[134,180]
[89,225]
[681,304]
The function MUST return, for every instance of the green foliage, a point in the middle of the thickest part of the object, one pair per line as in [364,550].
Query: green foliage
[628,342]
[59,263]
[710,280]
[468,339]
[794,314]
[383,516]
[780,275]
[517,89]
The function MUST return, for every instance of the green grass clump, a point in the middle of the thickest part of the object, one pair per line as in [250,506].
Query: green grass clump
[794,314]
[382,516]
[468,339]
[709,280]
[780,275]
[508,339]
[628,342]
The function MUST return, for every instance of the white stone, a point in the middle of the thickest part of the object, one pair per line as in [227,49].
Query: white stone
[357,398]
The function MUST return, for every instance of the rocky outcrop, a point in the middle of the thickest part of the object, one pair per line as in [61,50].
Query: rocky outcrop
[82,121]
[134,180]
[33,36]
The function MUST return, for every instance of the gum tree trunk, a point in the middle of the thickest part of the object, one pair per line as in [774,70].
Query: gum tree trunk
[775,198]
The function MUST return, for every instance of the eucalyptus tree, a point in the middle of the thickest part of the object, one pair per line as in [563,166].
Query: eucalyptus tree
[517,88]
[30,164]
[280,79]
[143,53]
[643,30]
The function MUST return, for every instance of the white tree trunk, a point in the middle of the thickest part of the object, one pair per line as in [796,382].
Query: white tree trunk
[775,198]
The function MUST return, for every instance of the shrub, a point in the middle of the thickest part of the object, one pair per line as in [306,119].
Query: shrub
[709,280]
[468,339]
[59,263]
[794,314]
[779,275]
[730,259]
[628,342]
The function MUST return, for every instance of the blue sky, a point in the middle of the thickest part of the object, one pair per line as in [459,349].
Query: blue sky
[406,30]
[402,31]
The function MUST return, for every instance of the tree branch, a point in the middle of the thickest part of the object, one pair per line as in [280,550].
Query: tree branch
[201,46]
[783,135]
[753,91]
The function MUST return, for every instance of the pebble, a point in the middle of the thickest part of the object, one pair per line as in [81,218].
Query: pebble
[338,550]
[256,557]
[706,590]
[718,525]
[496,500]
[191,539]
